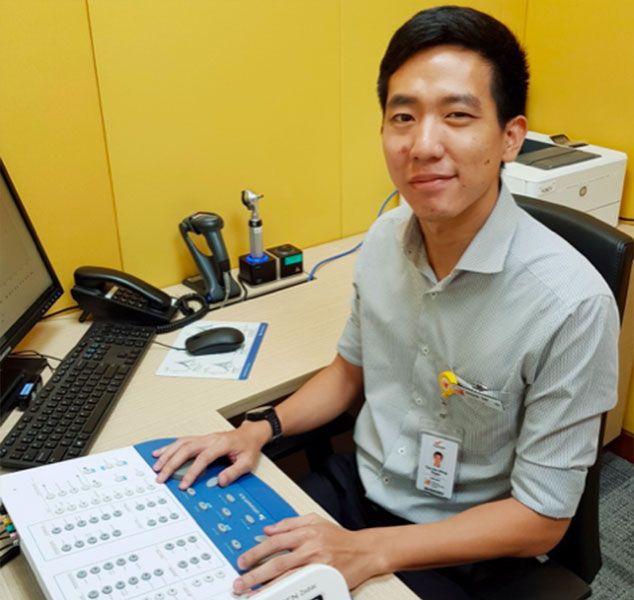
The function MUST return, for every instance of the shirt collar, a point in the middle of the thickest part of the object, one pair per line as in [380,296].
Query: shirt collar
[488,249]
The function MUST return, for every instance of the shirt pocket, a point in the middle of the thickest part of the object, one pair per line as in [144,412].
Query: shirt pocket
[487,429]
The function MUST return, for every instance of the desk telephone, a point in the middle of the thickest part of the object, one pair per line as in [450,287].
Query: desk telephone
[112,294]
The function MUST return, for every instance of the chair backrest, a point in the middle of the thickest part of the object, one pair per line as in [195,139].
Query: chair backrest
[611,252]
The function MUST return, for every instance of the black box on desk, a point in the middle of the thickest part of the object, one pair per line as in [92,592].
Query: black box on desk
[257,270]
[290,259]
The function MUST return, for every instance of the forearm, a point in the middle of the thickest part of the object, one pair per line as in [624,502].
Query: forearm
[325,396]
[491,530]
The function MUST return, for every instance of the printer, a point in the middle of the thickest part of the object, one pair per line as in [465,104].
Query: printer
[578,175]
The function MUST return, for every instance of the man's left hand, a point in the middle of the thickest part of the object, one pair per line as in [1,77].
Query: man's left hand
[309,539]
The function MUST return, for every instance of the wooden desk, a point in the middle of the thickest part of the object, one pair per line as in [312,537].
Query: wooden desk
[304,324]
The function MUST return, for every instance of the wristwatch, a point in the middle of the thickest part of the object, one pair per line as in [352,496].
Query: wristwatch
[266,413]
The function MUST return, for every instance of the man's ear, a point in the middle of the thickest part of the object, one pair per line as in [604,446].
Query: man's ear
[514,134]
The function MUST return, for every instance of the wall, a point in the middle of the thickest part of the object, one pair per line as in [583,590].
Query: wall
[119,118]
[51,132]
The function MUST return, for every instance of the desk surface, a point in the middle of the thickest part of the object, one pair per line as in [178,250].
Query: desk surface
[304,324]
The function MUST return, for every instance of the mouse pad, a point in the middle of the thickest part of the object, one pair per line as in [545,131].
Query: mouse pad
[229,365]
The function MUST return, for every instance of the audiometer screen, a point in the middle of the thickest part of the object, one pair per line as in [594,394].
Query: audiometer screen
[23,273]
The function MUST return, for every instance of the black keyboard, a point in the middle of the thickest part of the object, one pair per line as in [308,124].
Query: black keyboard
[64,418]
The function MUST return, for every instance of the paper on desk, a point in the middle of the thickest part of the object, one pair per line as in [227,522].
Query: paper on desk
[230,365]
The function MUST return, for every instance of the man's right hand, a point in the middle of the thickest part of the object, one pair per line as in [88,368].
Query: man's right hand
[242,446]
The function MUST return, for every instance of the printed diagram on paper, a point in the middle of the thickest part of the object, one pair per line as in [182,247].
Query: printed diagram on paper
[230,365]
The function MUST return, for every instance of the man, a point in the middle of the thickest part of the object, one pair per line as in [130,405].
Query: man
[464,289]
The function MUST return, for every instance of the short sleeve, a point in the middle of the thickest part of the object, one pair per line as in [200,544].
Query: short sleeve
[349,345]
[575,383]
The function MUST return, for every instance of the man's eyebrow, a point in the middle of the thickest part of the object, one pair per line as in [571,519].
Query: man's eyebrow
[466,99]
[401,100]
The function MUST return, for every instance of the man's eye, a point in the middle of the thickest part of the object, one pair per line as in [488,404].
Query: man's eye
[459,115]
[402,118]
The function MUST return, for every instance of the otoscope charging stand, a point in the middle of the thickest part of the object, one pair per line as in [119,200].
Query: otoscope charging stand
[258,270]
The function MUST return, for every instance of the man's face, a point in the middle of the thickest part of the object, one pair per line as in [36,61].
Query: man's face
[442,140]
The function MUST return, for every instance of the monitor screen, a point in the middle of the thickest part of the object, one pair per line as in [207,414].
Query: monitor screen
[28,284]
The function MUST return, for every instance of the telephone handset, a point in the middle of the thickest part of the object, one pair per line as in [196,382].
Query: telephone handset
[111,294]
[215,281]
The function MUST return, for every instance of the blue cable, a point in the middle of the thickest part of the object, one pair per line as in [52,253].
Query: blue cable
[327,260]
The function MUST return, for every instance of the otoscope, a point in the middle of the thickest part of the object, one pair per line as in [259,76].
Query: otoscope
[250,199]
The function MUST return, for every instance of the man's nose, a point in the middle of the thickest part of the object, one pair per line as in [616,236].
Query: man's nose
[427,142]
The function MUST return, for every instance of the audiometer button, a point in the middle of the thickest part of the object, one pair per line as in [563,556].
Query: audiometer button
[81,523]
[205,556]
[194,560]
[180,543]
[66,548]
[192,539]
[230,498]
[146,576]
[225,511]
[173,516]
[116,533]
[106,589]
[79,544]
[108,566]
[133,580]
[92,540]
[163,519]
[182,564]
[236,545]
[92,594]
[169,546]
[158,572]
[119,585]
[203,505]
[82,574]
[133,558]
[211,482]
[56,530]
[120,562]
[95,570]
[197,583]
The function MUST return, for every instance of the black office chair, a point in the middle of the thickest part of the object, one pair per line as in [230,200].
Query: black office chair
[575,561]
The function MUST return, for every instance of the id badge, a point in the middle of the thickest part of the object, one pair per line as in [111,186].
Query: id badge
[439,458]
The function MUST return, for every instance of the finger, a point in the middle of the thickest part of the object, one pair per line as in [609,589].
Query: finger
[166,453]
[268,571]
[268,584]
[272,546]
[231,473]
[181,455]
[289,524]
[197,467]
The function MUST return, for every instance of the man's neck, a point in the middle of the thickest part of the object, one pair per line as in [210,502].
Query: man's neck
[446,241]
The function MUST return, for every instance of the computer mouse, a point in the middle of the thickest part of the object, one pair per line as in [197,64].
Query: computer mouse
[214,341]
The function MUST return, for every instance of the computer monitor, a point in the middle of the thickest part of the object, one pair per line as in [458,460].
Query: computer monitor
[28,285]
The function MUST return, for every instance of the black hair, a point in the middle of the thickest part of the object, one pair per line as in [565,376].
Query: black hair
[472,30]
[438,453]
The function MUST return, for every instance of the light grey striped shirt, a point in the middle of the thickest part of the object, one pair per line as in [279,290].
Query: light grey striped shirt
[524,315]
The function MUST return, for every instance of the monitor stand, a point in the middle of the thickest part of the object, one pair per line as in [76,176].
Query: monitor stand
[15,372]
